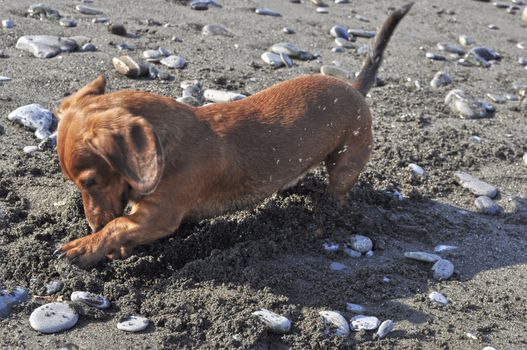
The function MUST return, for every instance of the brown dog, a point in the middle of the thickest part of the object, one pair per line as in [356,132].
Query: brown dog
[172,161]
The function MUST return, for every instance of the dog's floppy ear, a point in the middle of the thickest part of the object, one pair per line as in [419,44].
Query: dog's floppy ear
[131,147]
[96,87]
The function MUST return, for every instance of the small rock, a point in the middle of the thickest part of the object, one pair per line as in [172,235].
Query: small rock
[435,57]
[69,346]
[476,186]
[164,51]
[8,300]
[189,100]
[91,299]
[286,60]
[525,158]
[422,256]
[493,27]
[361,33]
[42,11]
[276,323]
[128,66]
[67,22]
[152,55]
[322,10]
[441,79]
[133,324]
[153,72]
[341,42]
[355,308]
[126,46]
[334,320]
[30,149]
[104,20]
[291,50]
[369,253]
[438,298]
[53,318]
[488,348]
[199,6]
[467,106]
[522,45]
[466,40]
[219,96]
[442,269]
[272,59]
[335,72]
[117,29]
[522,61]
[416,170]
[8,23]
[352,253]
[45,46]
[336,266]
[339,32]
[444,248]
[367,323]
[497,98]
[361,243]
[487,206]
[4,79]
[450,48]
[385,328]
[54,287]
[88,47]
[216,29]
[481,56]
[288,30]
[35,117]
[337,49]
[362,18]
[174,62]
[87,10]
[267,12]
[331,247]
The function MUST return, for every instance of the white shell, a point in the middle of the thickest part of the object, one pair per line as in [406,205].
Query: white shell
[442,269]
[385,328]
[438,298]
[275,322]
[422,256]
[333,319]
[368,323]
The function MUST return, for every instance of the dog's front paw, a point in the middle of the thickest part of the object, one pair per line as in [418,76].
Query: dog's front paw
[85,251]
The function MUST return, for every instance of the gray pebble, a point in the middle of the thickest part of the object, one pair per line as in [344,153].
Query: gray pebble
[362,18]
[440,79]
[467,106]
[488,348]
[525,158]
[416,170]
[337,49]
[174,62]
[361,33]
[163,51]
[367,323]
[361,243]
[522,45]
[88,47]
[286,60]
[133,324]
[67,22]
[450,48]
[335,72]
[355,308]
[466,40]
[435,57]
[125,46]
[438,298]
[42,11]
[87,10]
[128,66]
[45,46]
[475,185]
[352,253]
[152,55]
[288,30]
[274,322]
[338,31]
[91,299]
[216,29]
[292,50]
[54,287]
[69,346]
[331,247]
[30,149]
[444,248]
[199,5]
[219,96]
[4,79]
[264,11]
[153,72]
[53,318]
[103,20]
[369,253]
[422,256]
[335,322]
[8,23]
[322,10]
[522,61]
[497,98]
[442,269]
[487,206]
[342,1]
[336,266]
[189,100]
[385,328]
[10,299]
[35,117]
[493,27]
[272,59]
[341,42]
[481,56]
[117,29]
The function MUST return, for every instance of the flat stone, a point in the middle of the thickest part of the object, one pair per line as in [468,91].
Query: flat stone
[67,22]
[435,57]
[274,322]
[219,96]
[422,256]
[292,50]
[54,287]
[440,79]
[88,47]
[42,11]
[35,117]
[487,206]
[152,55]
[91,299]
[336,266]
[87,10]
[338,31]
[355,308]
[466,106]
[336,72]
[475,185]
[441,248]
[335,321]
[361,33]
[450,48]
[264,11]
[438,298]
[53,318]
[385,328]
[341,42]
[216,29]
[272,59]
[367,323]
[442,269]
[45,46]
[128,66]
[481,56]
[133,324]
[174,62]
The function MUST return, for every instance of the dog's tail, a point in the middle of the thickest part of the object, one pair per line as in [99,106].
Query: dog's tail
[368,72]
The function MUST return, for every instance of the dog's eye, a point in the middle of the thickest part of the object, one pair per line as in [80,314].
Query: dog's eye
[88,183]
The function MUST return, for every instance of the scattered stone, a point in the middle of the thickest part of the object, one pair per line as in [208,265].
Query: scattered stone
[444,248]
[322,10]
[522,61]
[416,170]
[338,31]
[367,323]
[342,1]
[43,11]
[438,298]
[272,59]
[475,138]
[352,253]
[435,57]
[4,79]
[126,46]
[45,46]
[275,322]
[164,51]
[442,269]
[355,308]
[341,42]
[30,149]
[288,30]
[487,206]
[87,10]
[361,33]
[104,20]
[450,48]
[522,45]
[361,243]
[216,29]
[127,66]
[493,27]
[440,79]
[497,98]
[385,328]
[219,96]
[54,287]
[69,346]
[67,22]
[337,49]
[152,55]
[199,6]
[475,185]
[88,47]
[10,299]
[53,318]
[334,320]
[331,247]
[117,29]
[336,266]
[35,117]
[488,348]
[264,11]
[481,56]
[335,72]
[90,299]
[319,3]
[422,256]
[174,62]
[291,50]
[8,23]
[467,106]
[286,60]
[466,40]
[133,324]
[362,18]
[369,253]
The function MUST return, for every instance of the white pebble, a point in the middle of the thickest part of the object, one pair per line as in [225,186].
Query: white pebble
[442,269]
[275,322]
[422,256]
[53,318]
[385,328]
[91,299]
[361,243]
[368,323]
[438,298]
[219,96]
[133,324]
[416,170]
[355,308]
[331,247]
[444,248]
[334,320]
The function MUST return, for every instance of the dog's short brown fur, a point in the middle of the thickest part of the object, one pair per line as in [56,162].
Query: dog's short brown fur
[172,161]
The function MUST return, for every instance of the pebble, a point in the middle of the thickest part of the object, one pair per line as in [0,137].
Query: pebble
[8,23]
[355,308]
[475,185]
[481,56]
[30,149]
[361,33]
[441,248]
[272,59]
[133,324]
[104,20]
[337,49]
[126,46]
[87,10]
[487,206]
[88,47]
[8,300]
[342,1]
[522,61]
[67,22]
[152,55]
[69,346]
[275,322]
[319,3]
[438,298]
[525,158]
[323,10]
[199,6]
[42,11]
[91,299]
[153,72]
[416,170]
[422,256]
[127,66]
[336,266]
[341,42]
[467,106]
[216,29]
[450,48]
[189,100]
[335,71]
[493,27]
[292,50]
[369,253]
[440,79]
[331,247]
[466,40]
[522,45]
[442,269]
[435,57]
[35,117]
[288,30]
[264,11]
[3,79]
[488,348]
[352,253]
[117,29]
[54,287]
[338,31]
[361,243]
[174,62]
[163,51]
[362,18]
[45,46]
[497,98]
[286,60]
[385,328]
[367,323]
[219,96]
[53,318]
[334,320]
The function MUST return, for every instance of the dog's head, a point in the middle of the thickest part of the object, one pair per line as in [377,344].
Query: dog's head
[111,155]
